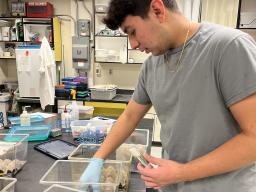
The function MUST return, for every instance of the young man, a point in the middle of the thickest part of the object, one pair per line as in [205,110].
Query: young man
[201,80]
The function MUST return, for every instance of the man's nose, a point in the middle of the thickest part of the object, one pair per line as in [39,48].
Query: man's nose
[133,43]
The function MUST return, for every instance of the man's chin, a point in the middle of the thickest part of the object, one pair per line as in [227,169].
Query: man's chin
[156,53]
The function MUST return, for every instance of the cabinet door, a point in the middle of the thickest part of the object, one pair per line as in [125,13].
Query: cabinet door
[222,12]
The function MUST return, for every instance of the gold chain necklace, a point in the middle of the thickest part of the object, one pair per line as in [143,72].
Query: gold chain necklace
[175,68]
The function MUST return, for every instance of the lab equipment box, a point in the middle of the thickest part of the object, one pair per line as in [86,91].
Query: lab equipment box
[90,131]
[7,184]
[13,153]
[68,173]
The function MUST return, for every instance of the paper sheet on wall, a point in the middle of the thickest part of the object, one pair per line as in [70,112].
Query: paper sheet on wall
[24,63]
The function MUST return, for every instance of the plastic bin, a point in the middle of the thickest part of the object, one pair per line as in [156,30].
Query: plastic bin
[7,184]
[33,119]
[13,153]
[35,132]
[86,151]
[60,188]
[138,139]
[68,173]
[90,131]
[103,92]
[85,112]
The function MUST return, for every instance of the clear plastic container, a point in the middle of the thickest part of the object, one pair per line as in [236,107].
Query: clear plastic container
[13,153]
[85,112]
[86,151]
[139,139]
[7,184]
[103,92]
[90,131]
[33,119]
[68,173]
[72,188]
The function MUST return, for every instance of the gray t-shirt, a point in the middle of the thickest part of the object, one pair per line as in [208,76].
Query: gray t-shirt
[218,69]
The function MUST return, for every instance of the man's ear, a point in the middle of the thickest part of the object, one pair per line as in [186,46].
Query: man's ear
[158,9]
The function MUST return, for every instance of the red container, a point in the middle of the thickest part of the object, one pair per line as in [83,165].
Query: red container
[39,9]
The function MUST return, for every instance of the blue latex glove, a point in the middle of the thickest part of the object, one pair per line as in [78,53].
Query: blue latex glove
[92,172]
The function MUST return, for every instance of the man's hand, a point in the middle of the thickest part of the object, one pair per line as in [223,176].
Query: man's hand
[167,172]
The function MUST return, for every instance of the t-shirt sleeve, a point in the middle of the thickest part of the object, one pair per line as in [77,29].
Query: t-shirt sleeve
[237,74]
[140,94]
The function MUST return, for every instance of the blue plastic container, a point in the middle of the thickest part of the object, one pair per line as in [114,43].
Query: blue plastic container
[35,132]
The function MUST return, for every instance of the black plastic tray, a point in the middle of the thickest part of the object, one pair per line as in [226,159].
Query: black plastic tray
[57,148]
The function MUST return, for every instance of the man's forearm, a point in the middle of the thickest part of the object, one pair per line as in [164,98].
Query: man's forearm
[124,126]
[119,132]
[237,152]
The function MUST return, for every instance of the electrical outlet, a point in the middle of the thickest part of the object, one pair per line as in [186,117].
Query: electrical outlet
[98,71]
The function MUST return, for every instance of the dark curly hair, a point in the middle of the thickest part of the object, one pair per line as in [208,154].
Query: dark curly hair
[120,9]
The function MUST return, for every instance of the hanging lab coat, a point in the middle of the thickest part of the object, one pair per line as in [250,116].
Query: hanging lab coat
[190,8]
[47,74]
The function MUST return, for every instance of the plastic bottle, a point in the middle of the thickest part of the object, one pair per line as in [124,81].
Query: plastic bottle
[65,120]
[25,117]
[75,111]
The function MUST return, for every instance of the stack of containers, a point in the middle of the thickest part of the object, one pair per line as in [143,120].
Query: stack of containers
[13,153]
[79,84]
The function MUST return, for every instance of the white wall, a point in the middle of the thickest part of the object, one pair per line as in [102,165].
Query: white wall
[123,75]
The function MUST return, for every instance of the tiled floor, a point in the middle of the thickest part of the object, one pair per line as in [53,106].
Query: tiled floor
[156,151]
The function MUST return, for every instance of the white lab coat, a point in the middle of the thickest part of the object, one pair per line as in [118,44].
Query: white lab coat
[47,74]
[190,8]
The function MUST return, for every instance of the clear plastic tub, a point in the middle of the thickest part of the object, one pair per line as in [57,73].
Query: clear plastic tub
[90,131]
[68,173]
[80,188]
[103,92]
[33,119]
[13,153]
[85,112]
[86,151]
[7,184]
[139,139]
[60,188]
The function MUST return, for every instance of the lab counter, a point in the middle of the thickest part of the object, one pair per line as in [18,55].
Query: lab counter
[38,163]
